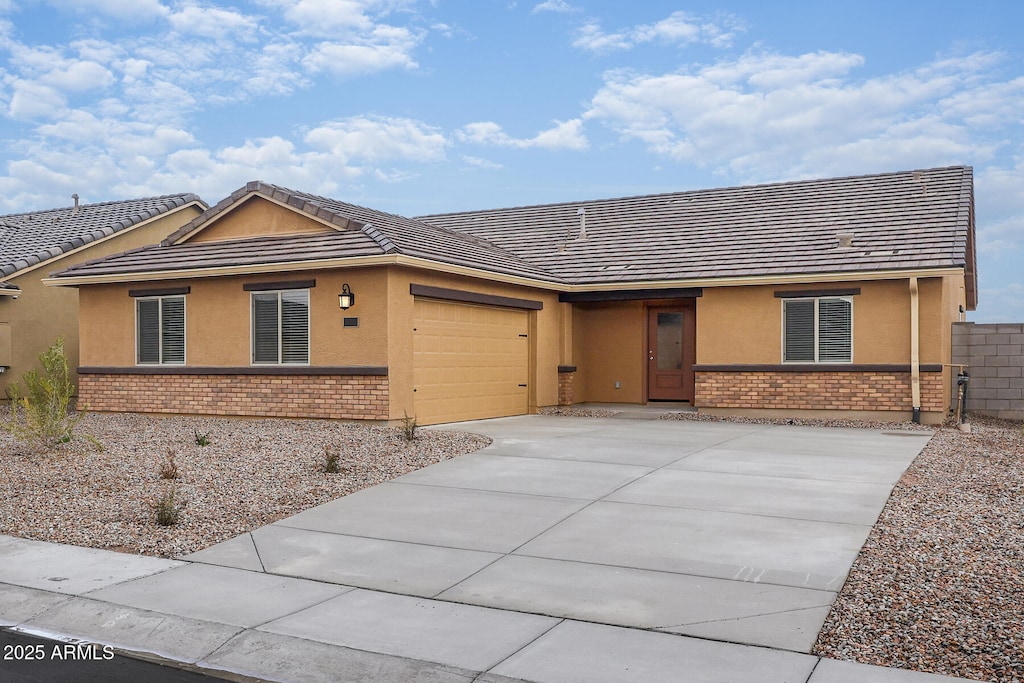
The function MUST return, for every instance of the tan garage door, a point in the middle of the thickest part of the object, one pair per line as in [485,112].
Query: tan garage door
[469,362]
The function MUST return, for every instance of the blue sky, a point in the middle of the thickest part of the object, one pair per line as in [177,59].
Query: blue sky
[422,107]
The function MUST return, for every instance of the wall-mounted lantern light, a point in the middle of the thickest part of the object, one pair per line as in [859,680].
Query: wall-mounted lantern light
[346,299]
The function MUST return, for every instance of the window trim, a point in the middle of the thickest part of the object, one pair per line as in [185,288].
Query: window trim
[280,329]
[817,322]
[160,329]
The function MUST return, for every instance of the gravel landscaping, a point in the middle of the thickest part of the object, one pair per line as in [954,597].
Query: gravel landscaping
[251,473]
[939,585]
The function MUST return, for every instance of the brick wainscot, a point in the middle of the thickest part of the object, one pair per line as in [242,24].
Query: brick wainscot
[352,393]
[850,388]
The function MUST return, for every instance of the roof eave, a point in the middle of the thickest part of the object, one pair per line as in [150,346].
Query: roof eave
[436,266]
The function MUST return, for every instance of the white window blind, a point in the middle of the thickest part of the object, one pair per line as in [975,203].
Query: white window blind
[835,331]
[280,327]
[817,330]
[160,330]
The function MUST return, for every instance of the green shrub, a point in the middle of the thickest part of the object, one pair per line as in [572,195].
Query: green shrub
[42,413]
[202,439]
[166,509]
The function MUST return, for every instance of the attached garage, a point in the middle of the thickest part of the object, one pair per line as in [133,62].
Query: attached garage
[470,360]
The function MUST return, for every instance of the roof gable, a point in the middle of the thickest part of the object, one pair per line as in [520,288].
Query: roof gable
[29,239]
[257,216]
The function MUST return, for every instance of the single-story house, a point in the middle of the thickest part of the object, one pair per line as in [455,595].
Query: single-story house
[34,244]
[816,297]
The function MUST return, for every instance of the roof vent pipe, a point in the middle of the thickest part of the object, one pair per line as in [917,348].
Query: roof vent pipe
[845,240]
[75,197]
[582,213]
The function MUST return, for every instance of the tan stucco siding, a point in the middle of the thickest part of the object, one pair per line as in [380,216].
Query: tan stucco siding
[545,324]
[41,313]
[743,325]
[217,320]
[257,217]
[608,347]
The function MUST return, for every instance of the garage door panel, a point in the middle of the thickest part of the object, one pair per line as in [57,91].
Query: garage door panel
[469,361]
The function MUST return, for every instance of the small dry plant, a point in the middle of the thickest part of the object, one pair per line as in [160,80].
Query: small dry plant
[202,438]
[409,426]
[168,467]
[331,463]
[166,508]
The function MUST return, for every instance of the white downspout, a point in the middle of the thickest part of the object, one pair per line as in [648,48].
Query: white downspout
[915,349]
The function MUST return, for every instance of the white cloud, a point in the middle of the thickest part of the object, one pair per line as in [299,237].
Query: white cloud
[485,164]
[377,139]
[564,135]
[559,6]
[214,23]
[679,28]
[389,48]
[592,38]
[766,116]
[1000,304]
[30,100]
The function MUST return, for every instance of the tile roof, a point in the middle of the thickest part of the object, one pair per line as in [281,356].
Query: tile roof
[908,220]
[361,232]
[27,239]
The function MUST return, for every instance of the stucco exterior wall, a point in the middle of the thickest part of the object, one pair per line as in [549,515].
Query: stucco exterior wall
[41,314]
[744,324]
[217,320]
[608,347]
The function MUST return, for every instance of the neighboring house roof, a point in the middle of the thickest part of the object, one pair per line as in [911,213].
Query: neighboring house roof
[907,221]
[28,239]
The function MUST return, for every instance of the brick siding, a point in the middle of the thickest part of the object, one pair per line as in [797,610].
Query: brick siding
[353,397]
[994,354]
[884,391]
[565,388]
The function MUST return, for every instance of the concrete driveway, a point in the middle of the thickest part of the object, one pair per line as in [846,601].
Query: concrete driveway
[734,532]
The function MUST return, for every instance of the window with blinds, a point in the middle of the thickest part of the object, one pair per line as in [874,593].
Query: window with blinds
[160,330]
[817,330]
[280,327]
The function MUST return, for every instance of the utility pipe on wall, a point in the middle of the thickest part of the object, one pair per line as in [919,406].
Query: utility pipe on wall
[915,350]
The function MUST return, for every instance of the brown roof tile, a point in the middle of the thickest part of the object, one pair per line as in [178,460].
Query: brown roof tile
[908,220]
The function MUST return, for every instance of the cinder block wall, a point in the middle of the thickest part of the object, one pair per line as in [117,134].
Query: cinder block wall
[994,354]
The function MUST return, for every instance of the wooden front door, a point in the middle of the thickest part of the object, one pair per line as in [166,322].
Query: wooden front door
[671,340]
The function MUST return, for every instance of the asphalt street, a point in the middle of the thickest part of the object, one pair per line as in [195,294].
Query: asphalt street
[27,659]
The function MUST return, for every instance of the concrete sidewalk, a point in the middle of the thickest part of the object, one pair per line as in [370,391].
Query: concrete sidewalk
[570,549]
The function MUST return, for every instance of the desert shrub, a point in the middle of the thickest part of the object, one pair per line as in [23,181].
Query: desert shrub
[331,463]
[202,438]
[409,426]
[166,509]
[168,468]
[41,412]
